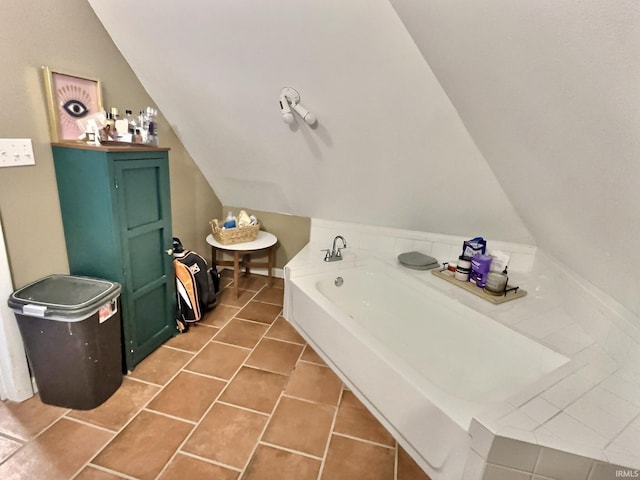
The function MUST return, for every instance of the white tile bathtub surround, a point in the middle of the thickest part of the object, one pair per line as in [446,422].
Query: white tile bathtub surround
[585,302]
[535,389]
[497,472]
[623,388]
[491,415]
[593,320]
[567,390]
[568,340]
[598,366]
[584,293]
[516,419]
[474,467]
[568,445]
[532,310]
[514,454]
[518,434]
[481,438]
[539,409]
[627,442]
[565,426]
[618,344]
[562,466]
[443,247]
[604,373]
[543,325]
[631,369]
[613,404]
[596,418]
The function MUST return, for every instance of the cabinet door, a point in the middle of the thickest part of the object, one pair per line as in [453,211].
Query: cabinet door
[144,210]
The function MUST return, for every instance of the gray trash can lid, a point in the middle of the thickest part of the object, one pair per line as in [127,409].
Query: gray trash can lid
[68,297]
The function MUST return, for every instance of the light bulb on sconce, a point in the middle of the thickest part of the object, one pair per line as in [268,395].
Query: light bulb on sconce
[287,116]
[290,98]
[306,115]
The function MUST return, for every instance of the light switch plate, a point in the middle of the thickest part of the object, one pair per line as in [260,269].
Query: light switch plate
[16,152]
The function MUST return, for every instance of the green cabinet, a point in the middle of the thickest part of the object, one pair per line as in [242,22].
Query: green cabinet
[116,212]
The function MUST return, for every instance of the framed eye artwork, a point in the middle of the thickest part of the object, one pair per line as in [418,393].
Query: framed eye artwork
[71,100]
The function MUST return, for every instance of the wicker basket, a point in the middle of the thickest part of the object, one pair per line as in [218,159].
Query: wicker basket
[231,236]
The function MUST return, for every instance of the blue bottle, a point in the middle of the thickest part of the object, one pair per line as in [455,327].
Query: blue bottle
[230,222]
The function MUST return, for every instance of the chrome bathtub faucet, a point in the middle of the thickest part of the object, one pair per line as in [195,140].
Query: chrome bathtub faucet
[334,254]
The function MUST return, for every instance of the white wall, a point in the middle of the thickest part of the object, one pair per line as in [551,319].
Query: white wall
[389,148]
[559,84]
[534,137]
[15,381]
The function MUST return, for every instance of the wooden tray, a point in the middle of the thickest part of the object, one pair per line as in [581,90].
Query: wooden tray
[511,292]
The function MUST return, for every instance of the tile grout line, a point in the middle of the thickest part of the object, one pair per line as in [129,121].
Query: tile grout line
[394,447]
[8,436]
[364,440]
[228,382]
[133,417]
[215,400]
[275,407]
[331,431]
[144,407]
[241,407]
[24,443]
[105,470]
[168,415]
[395,460]
[161,388]
[207,460]
[114,433]
[290,450]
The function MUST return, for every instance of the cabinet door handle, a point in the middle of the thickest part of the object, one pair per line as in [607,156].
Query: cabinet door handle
[169,252]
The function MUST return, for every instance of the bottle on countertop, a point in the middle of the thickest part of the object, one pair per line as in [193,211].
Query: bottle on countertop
[122,126]
[151,126]
[132,122]
[109,129]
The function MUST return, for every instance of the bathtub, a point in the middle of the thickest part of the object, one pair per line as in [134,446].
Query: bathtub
[423,363]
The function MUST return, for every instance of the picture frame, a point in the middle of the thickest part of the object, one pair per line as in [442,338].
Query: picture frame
[70,99]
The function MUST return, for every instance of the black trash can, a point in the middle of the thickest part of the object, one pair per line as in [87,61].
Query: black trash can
[71,330]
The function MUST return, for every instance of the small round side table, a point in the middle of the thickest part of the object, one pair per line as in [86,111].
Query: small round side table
[264,242]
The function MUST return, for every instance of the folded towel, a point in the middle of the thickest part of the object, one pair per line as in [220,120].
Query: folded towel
[243,219]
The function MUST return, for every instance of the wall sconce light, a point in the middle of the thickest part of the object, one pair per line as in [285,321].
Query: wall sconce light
[290,98]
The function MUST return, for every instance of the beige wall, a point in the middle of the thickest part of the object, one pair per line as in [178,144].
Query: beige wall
[66,36]
[292,231]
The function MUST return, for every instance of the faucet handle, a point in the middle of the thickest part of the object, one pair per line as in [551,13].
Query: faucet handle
[339,252]
[327,255]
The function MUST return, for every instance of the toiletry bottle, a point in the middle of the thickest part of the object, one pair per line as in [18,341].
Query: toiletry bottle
[132,122]
[463,269]
[230,222]
[151,126]
[142,125]
[122,127]
[110,128]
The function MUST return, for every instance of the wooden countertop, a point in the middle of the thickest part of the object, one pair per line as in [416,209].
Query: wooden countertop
[110,146]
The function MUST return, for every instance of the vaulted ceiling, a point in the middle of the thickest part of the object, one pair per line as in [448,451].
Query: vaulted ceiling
[515,120]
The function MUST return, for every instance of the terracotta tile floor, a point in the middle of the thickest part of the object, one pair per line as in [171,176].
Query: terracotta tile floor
[240,396]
